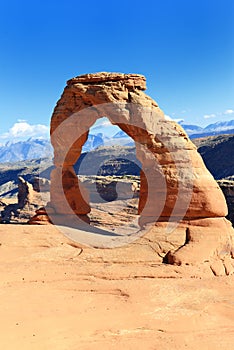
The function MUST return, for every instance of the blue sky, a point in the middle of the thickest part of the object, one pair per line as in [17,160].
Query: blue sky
[183,47]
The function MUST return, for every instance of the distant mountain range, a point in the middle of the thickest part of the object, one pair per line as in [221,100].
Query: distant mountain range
[23,150]
[219,128]
[41,148]
[216,151]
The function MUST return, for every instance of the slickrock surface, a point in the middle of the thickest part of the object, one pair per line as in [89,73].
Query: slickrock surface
[174,180]
[57,295]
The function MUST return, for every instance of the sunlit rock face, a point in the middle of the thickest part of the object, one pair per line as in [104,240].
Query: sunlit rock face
[175,183]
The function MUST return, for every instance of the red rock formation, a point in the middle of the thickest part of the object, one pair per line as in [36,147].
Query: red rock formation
[41,218]
[25,193]
[175,184]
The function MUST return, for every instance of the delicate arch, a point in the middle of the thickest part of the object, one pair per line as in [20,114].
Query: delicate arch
[170,162]
[176,187]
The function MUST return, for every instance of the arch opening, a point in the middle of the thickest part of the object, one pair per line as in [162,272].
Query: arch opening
[108,169]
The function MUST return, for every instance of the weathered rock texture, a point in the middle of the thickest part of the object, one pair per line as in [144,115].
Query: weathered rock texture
[25,205]
[25,192]
[172,169]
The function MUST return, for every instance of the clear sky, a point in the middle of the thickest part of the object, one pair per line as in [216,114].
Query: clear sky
[183,47]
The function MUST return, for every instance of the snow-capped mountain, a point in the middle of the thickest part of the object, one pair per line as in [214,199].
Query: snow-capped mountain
[218,128]
[23,150]
[93,142]
[120,138]
[41,148]
[120,134]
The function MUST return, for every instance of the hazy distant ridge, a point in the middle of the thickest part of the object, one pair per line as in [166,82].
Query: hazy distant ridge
[41,148]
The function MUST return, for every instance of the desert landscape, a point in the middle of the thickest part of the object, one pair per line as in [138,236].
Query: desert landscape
[57,295]
[90,288]
[117,175]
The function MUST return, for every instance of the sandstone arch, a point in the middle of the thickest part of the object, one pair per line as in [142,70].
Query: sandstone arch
[168,159]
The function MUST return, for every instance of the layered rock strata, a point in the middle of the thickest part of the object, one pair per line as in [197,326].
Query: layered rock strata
[175,186]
